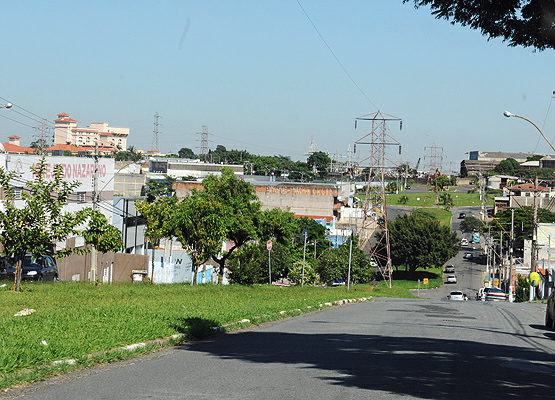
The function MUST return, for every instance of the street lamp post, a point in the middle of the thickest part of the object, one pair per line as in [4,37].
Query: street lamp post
[509,114]
[8,105]
[533,258]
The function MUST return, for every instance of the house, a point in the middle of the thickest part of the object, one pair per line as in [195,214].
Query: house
[525,194]
[500,181]
[13,146]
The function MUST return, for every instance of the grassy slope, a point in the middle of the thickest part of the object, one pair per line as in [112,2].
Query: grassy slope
[75,319]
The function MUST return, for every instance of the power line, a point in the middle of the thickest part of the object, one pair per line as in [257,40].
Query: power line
[334,56]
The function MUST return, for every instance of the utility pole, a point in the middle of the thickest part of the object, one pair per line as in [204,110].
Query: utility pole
[511,255]
[534,255]
[94,255]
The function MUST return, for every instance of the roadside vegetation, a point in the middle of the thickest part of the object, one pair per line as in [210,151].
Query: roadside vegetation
[72,320]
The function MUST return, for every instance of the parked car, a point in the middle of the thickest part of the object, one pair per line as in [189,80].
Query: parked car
[495,294]
[462,215]
[42,268]
[451,279]
[550,311]
[449,269]
[457,296]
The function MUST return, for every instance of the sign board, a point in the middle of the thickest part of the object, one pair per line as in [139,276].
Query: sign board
[425,280]
[269,245]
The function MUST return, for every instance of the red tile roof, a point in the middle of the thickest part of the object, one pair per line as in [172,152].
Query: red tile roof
[528,186]
[12,148]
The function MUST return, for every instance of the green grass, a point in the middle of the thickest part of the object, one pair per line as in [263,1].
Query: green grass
[76,319]
[429,199]
[82,322]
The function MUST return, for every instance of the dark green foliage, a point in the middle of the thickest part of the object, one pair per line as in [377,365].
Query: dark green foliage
[441,182]
[522,290]
[527,23]
[320,162]
[523,222]
[156,188]
[185,152]
[421,242]
[128,155]
[540,173]
[333,265]
[471,224]
[508,166]
[249,264]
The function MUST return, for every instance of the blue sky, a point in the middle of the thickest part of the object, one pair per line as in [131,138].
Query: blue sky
[260,77]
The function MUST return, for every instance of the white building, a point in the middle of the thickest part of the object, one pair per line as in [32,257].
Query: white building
[107,137]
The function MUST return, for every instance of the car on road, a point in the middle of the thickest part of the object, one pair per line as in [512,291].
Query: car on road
[449,269]
[464,242]
[550,311]
[451,279]
[495,294]
[462,215]
[41,268]
[468,255]
[456,295]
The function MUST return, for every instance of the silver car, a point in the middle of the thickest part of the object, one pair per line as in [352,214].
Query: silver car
[460,296]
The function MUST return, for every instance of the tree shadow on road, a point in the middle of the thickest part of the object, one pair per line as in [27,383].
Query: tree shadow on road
[402,365]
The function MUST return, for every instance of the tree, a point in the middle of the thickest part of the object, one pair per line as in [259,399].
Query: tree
[471,224]
[527,23]
[507,166]
[523,218]
[156,188]
[446,200]
[101,234]
[158,221]
[33,224]
[199,222]
[185,152]
[226,209]
[420,242]
[319,162]
[131,154]
[441,182]
[333,265]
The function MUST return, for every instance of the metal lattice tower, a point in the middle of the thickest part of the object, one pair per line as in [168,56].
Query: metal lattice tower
[156,133]
[374,216]
[204,143]
[435,158]
[312,148]
[42,138]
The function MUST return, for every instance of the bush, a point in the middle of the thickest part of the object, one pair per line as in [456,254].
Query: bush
[296,273]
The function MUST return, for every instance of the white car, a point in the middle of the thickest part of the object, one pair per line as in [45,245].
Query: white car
[464,242]
[457,296]
[451,279]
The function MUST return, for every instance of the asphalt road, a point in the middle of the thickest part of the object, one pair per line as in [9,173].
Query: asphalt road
[385,349]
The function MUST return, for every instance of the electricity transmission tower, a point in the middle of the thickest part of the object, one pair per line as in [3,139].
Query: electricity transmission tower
[156,133]
[204,143]
[41,136]
[374,216]
[435,157]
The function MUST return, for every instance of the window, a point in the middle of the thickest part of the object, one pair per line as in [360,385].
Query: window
[17,192]
[81,197]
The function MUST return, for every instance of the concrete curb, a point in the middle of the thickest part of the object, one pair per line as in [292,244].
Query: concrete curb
[183,336]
